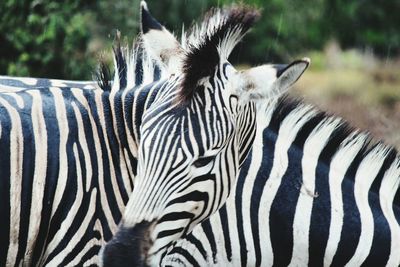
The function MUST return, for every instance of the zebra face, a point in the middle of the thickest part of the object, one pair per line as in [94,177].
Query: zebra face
[189,157]
[194,138]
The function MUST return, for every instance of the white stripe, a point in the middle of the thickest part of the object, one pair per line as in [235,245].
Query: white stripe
[287,133]
[76,238]
[63,159]
[256,160]
[338,168]
[67,223]
[216,223]
[96,259]
[387,192]
[16,158]
[39,176]
[57,83]
[103,197]
[79,234]
[10,89]
[83,143]
[313,147]
[17,97]
[28,81]
[232,225]
[132,142]
[365,175]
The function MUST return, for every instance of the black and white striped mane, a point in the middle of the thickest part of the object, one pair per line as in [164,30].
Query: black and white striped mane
[132,67]
[343,137]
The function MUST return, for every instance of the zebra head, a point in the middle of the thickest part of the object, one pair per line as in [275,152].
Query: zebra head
[194,137]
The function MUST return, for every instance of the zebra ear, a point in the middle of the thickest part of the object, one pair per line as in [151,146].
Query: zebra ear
[159,42]
[288,75]
[268,81]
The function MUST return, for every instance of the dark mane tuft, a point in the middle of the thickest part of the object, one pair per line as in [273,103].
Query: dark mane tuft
[120,61]
[103,75]
[212,42]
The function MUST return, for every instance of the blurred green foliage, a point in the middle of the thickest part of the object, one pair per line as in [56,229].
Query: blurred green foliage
[62,39]
[43,38]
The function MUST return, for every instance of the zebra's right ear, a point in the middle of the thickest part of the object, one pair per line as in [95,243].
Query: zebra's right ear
[159,42]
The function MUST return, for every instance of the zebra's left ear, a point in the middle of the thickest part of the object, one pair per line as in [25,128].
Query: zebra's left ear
[288,75]
[159,42]
[269,81]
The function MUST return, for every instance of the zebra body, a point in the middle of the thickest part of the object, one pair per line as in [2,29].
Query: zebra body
[54,159]
[68,159]
[310,193]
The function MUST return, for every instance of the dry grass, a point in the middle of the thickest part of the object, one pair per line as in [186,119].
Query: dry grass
[368,99]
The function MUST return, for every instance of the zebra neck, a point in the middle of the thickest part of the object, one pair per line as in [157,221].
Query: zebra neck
[126,108]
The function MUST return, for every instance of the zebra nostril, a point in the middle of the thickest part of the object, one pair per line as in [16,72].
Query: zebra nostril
[129,246]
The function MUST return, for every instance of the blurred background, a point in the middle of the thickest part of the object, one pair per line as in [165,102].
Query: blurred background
[354,46]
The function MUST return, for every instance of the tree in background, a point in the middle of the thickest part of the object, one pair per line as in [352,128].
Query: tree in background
[364,24]
[44,38]
[62,39]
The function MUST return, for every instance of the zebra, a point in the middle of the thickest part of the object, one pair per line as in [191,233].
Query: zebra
[194,137]
[68,159]
[46,250]
[313,191]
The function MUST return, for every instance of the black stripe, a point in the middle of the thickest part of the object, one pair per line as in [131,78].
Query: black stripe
[380,248]
[225,230]
[115,157]
[28,168]
[169,232]
[351,228]
[269,140]
[239,211]
[320,214]
[284,205]
[89,236]
[53,144]
[174,216]
[185,254]
[199,246]
[4,184]
[210,237]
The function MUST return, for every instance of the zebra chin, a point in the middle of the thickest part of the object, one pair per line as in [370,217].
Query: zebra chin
[129,246]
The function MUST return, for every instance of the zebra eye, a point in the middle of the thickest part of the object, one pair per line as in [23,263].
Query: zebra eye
[203,161]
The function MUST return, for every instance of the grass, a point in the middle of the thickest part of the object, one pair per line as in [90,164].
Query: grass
[368,98]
